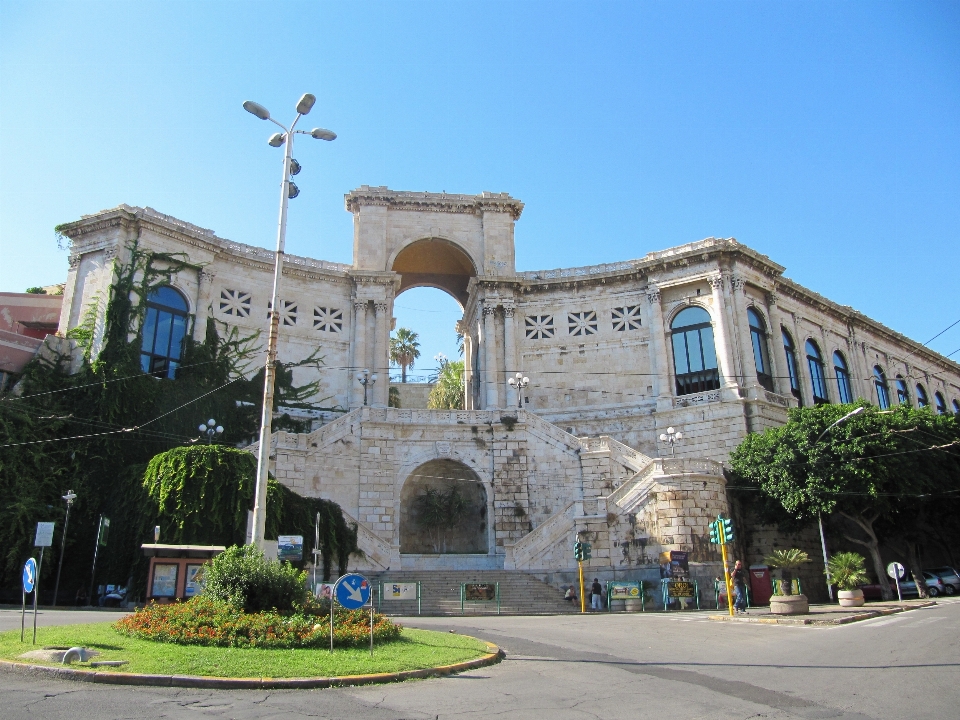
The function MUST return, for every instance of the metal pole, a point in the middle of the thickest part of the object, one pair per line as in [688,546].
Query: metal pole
[826,560]
[726,576]
[270,369]
[583,605]
[371,626]
[63,547]
[331,622]
[36,592]
[96,551]
[23,612]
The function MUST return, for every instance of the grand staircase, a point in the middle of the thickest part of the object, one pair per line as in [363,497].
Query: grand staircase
[520,594]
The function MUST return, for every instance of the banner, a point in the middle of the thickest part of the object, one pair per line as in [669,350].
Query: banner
[624,590]
[400,591]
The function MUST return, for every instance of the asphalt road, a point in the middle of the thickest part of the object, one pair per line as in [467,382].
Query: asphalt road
[599,666]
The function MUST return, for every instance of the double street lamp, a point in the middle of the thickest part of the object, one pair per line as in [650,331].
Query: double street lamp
[519,383]
[288,190]
[365,379]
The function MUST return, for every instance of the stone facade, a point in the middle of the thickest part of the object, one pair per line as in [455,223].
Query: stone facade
[600,343]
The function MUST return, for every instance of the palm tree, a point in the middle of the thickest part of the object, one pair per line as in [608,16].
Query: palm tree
[404,350]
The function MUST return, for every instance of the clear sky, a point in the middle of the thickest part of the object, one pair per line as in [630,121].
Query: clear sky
[823,134]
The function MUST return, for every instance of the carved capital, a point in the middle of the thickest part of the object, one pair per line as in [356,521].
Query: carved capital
[360,306]
[489,310]
[509,310]
[74,261]
[653,294]
[773,299]
[716,281]
[109,253]
[205,276]
[737,283]
[380,307]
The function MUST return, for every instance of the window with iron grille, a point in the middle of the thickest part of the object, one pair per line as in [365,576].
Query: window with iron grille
[327,319]
[582,323]
[539,327]
[235,302]
[626,318]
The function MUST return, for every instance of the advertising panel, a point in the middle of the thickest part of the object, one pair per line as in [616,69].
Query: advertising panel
[480,591]
[194,583]
[290,548]
[165,580]
[400,591]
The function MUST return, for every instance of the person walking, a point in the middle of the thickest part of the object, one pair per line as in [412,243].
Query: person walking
[596,599]
[739,588]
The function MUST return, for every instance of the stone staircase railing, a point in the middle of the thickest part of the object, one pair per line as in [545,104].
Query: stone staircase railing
[623,454]
[531,546]
[376,549]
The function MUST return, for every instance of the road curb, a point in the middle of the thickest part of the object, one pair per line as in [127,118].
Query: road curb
[493,656]
[842,620]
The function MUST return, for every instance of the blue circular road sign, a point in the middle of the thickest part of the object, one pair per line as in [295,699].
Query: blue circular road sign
[352,591]
[29,575]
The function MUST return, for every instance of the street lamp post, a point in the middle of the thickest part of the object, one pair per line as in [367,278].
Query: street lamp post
[519,383]
[69,497]
[288,190]
[823,537]
[211,429]
[673,437]
[365,379]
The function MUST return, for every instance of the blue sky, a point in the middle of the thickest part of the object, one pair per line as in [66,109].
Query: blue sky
[823,134]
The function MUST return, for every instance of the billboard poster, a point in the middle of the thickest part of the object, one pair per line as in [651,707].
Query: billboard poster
[194,584]
[624,590]
[165,580]
[679,565]
[323,591]
[480,591]
[290,548]
[400,591]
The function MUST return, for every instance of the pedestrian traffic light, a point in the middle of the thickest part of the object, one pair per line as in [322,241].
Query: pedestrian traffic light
[727,529]
[586,551]
[715,532]
[578,551]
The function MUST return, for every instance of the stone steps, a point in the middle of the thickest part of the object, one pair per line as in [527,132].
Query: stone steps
[520,594]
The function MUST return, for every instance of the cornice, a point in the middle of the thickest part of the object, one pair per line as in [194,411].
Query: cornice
[433,202]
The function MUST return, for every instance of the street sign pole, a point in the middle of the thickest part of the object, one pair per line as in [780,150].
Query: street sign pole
[28,582]
[23,614]
[36,592]
[726,577]
[583,603]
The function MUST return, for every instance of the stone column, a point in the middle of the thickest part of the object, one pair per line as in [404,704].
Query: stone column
[778,361]
[510,364]
[204,301]
[741,324]
[468,351]
[659,357]
[359,350]
[803,371]
[381,357]
[488,371]
[721,336]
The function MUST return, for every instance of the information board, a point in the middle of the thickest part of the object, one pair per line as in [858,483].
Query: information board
[400,591]
[290,548]
[624,590]
[44,537]
[484,592]
[680,589]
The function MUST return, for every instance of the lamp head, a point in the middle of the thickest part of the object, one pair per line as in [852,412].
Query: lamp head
[202,428]
[679,436]
[373,378]
[211,422]
[295,167]
[670,431]
[219,429]
[293,190]
[322,134]
[663,437]
[276,140]
[256,109]
[306,103]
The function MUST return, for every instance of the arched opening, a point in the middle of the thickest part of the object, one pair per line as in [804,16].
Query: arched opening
[843,377]
[443,509]
[758,338]
[434,262]
[694,354]
[164,328]
[817,380]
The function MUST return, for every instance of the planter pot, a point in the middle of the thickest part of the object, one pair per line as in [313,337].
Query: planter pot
[850,598]
[633,605]
[789,605]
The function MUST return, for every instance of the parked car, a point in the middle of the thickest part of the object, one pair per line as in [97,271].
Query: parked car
[908,588]
[950,577]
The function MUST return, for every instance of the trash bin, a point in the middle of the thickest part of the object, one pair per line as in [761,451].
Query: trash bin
[761,586]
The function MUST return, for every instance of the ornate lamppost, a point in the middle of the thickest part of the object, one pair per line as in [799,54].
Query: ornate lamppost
[519,383]
[673,437]
[365,379]
[211,429]
[69,497]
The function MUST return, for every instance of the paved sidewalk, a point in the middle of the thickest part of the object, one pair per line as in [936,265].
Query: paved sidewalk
[827,614]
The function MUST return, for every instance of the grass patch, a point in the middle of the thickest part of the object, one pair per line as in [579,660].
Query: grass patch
[416,649]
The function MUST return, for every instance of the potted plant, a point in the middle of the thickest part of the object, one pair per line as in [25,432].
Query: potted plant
[848,572]
[785,603]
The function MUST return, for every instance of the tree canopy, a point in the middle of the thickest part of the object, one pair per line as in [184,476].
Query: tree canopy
[893,476]
[404,350]
[448,391]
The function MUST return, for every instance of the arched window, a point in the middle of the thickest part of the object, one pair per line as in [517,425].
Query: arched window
[940,404]
[956,407]
[758,337]
[880,382]
[790,350]
[694,354]
[817,380]
[922,400]
[164,327]
[843,378]
[903,395]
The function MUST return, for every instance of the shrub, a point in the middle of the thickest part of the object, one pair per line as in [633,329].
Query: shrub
[206,621]
[847,570]
[244,578]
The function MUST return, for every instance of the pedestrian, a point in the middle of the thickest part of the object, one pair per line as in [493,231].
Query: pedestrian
[571,596]
[597,595]
[739,588]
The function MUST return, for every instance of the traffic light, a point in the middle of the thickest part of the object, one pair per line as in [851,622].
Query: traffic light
[727,529]
[715,532]
[586,551]
[578,551]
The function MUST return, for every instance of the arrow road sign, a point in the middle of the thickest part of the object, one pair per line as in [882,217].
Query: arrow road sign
[29,575]
[352,591]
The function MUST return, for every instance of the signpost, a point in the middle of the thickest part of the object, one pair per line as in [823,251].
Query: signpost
[897,572]
[721,532]
[29,586]
[352,591]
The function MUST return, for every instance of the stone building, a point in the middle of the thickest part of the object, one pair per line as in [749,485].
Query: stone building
[708,337]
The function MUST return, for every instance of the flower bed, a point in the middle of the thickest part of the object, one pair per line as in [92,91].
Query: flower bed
[203,621]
